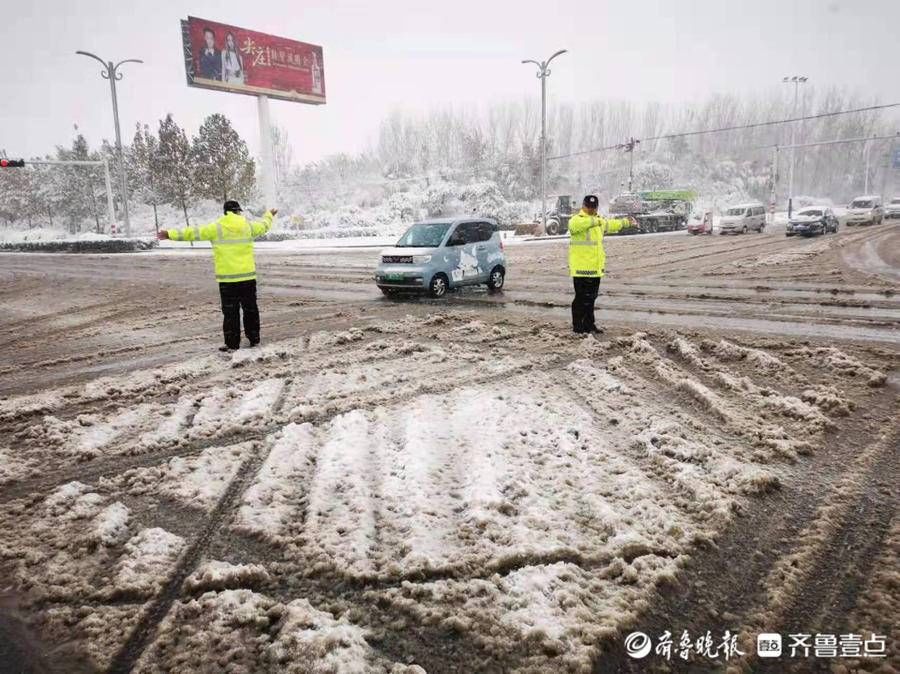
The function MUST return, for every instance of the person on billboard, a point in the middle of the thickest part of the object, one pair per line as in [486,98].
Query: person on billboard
[210,57]
[232,63]
[232,238]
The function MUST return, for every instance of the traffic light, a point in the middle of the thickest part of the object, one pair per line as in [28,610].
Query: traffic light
[12,163]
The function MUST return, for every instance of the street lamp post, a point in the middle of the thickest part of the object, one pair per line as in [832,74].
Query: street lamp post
[796,80]
[111,72]
[543,73]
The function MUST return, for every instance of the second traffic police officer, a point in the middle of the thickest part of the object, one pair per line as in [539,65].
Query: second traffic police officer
[232,242]
[587,260]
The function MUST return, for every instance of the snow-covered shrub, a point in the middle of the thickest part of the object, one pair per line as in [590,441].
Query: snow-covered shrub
[106,245]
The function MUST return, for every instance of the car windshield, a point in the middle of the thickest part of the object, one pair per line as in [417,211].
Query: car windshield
[735,211]
[812,213]
[424,235]
[864,203]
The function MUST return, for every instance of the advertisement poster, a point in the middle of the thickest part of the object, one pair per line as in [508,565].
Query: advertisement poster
[228,58]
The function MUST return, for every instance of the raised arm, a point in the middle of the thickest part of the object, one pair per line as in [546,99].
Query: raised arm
[260,227]
[614,225]
[192,233]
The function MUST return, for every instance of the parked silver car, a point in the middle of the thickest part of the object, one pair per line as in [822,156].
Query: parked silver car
[437,255]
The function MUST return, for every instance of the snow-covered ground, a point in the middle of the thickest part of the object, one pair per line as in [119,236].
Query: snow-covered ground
[524,489]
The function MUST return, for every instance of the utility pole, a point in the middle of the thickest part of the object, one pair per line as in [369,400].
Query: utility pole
[796,80]
[629,146]
[773,199]
[543,73]
[887,168]
[866,153]
[111,72]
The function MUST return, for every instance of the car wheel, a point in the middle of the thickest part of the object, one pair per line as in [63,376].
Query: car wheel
[552,227]
[497,278]
[439,285]
[744,230]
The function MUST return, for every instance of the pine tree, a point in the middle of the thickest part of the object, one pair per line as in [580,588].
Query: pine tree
[222,165]
[142,164]
[175,171]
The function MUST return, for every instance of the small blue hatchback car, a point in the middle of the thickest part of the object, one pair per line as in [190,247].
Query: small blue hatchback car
[436,255]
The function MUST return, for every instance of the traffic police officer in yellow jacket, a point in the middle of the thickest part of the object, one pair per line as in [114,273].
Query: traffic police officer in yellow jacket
[232,242]
[587,260]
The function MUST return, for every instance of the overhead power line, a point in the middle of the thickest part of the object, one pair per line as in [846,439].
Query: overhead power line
[685,134]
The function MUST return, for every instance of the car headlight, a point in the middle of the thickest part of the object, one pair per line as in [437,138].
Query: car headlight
[421,259]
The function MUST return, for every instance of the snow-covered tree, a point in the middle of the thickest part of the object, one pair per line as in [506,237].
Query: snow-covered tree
[176,174]
[144,167]
[282,155]
[81,188]
[222,165]
[14,194]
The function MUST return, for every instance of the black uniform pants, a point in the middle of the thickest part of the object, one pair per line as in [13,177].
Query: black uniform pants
[237,297]
[586,291]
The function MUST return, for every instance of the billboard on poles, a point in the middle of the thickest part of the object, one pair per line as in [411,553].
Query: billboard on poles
[228,58]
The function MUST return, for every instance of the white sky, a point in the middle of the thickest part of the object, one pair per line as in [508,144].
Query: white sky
[414,54]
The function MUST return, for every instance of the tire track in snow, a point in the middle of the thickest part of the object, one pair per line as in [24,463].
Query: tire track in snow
[225,510]
[112,465]
[846,532]
[144,632]
[730,584]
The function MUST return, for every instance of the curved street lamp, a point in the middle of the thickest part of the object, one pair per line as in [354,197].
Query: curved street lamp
[543,73]
[111,72]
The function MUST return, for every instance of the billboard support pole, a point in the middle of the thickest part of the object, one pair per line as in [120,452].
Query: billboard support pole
[267,168]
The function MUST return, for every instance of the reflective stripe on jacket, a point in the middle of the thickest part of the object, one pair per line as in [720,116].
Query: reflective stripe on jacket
[586,254]
[232,241]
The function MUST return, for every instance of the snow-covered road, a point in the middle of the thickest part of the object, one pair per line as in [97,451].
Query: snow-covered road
[396,486]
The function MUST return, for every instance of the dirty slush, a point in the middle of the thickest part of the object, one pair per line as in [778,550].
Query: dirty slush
[393,487]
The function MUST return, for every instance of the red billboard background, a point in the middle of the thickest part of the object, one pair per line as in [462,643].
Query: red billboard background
[228,58]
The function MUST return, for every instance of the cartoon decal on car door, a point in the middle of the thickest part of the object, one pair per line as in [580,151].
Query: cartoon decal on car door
[467,269]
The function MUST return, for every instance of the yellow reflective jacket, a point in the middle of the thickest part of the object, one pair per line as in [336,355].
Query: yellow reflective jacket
[586,254]
[232,242]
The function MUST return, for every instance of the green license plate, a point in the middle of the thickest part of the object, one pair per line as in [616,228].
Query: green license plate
[394,277]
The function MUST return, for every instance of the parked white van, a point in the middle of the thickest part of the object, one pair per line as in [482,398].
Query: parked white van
[743,218]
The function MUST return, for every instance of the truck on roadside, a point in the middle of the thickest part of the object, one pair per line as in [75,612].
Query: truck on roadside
[655,210]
